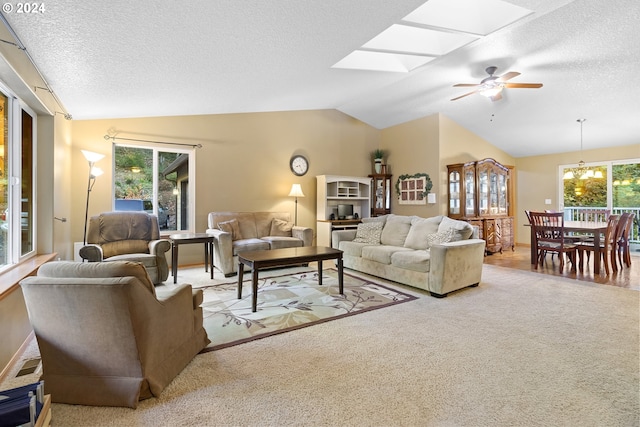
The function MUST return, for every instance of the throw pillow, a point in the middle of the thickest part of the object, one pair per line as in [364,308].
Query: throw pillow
[369,232]
[420,229]
[280,227]
[232,228]
[461,230]
[440,237]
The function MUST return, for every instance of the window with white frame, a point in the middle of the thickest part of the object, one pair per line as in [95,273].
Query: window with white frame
[17,179]
[613,185]
[155,179]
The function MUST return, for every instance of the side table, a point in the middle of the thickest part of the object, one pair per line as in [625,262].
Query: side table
[188,238]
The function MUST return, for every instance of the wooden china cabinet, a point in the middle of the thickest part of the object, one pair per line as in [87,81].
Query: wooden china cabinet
[480,193]
[380,194]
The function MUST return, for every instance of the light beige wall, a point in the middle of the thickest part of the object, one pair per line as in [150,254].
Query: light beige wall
[243,164]
[58,184]
[412,148]
[538,179]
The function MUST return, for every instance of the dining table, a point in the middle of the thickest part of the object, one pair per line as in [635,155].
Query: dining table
[596,229]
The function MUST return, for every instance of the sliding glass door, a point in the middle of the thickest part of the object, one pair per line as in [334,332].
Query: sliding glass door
[608,185]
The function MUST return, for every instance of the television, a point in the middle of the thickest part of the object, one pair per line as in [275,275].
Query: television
[345,211]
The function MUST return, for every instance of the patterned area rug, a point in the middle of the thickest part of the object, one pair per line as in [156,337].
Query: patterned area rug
[288,302]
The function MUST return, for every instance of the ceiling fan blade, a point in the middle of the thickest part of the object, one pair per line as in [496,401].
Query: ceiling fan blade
[466,94]
[466,85]
[523,85]
[508,76]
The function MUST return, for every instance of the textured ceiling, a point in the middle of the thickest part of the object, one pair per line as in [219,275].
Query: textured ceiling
[162,58]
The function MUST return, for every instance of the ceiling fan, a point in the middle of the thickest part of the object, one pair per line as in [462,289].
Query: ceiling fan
[492,86]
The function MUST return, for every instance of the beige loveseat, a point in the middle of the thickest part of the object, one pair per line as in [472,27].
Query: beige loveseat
[236,232]
[436,254]
[105,337]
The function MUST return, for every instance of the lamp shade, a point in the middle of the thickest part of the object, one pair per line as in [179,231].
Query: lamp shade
[96,172]
[91,156]
[296,191]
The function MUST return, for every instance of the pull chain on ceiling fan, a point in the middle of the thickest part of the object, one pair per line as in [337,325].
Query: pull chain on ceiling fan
[492,86]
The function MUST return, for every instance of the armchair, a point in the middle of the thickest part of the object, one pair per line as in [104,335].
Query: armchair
[128,236]
[105,338]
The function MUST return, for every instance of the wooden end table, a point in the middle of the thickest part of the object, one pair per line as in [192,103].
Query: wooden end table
[257,260]
[187,238]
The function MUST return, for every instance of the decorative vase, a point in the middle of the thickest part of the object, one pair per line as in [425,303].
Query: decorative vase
[378,165]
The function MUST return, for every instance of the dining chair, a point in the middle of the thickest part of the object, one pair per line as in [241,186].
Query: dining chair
[548,229]
[622,240]
[607,246]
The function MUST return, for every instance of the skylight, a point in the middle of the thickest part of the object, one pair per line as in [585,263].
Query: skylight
[451,24]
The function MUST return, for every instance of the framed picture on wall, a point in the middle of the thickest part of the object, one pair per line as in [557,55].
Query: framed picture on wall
[413,189]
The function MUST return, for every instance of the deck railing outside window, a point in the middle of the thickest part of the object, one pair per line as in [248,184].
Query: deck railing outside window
[575,213]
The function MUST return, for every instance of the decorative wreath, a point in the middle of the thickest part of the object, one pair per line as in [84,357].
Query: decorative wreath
[427,187]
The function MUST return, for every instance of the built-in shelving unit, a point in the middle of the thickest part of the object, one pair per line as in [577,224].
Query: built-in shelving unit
[333,191]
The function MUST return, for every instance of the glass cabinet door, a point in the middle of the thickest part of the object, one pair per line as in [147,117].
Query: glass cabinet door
[454,193]
[380,194]
[483,197]
[502,194]
[493,192]
[470,190]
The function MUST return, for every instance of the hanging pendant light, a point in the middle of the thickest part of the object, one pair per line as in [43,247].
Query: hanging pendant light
[582,171]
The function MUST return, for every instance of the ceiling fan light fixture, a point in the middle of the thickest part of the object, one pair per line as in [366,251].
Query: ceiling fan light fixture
[490,87]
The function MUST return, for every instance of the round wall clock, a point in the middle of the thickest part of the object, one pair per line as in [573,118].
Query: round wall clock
[299,165]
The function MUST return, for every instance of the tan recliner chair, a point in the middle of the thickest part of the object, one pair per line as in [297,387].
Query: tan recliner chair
[105,338]
[128,236]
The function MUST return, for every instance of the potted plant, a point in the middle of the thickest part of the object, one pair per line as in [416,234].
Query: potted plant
[378,155]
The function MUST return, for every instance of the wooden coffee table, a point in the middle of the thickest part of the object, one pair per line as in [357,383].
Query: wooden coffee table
[257,260]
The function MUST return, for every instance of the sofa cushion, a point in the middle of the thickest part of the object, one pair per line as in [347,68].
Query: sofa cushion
[381,218]
[279,242]
[232,228]
[264,220]
[110,249]
[352,248]
[369,233]
[116,226]
[420,229]
[412,260]
[462,230]
[395,230]
[381,253]
[280,227]
[250,245]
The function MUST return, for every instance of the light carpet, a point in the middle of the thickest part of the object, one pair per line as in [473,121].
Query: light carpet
[522,349]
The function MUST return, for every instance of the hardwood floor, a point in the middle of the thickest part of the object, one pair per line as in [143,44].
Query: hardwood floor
[520,259]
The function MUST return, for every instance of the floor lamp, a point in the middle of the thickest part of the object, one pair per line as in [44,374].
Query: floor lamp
[296,191]
[94,172]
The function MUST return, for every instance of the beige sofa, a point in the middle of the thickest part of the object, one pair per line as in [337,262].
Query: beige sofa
[437,254]
[236,232]
[105,337]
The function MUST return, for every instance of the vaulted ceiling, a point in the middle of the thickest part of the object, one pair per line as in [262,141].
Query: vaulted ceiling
[121,58]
